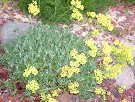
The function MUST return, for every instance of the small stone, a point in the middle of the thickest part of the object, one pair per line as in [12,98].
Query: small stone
[126,78]
[11,30]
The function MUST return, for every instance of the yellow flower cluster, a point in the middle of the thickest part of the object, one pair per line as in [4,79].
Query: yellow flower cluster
[79,58]
[33,86]
[91,44]
[47,98]
[73,87]
[107,60]
[107,49]
[105,21]
[91,14]
[73,52]
[69,71]
[121,89]
[76,7]
[100,91]
[55,92]
[112,71]
[98,76]
[77,4]
[122,55]
[95,32]
[30,70]
[116,42]
[33,8]
[124,100]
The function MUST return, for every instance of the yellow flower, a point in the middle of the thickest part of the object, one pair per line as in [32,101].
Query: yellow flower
[77,4]
[116,42]
[107,60]
[76,15]
[73,52]
[73,2]
[104,20]
[95,32]
[81,58]
[91,14]
[75,70]
[70,72]
[110,27]
[47,98]
[30,70]
[74,64]
[26,72]
[92,53]
[73,87]
[104,97]
[100,91]
[33,70]
[89,42]
[124,100]
[107,49]
[98,76]
[33,86]
[43,96]
[33,8]
[121,89]
[108,93]
[64,71]
[112,96]
[56,92]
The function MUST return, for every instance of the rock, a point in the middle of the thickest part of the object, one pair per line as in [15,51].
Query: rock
[11,30]
[90,100]
[126,78]
[133,67]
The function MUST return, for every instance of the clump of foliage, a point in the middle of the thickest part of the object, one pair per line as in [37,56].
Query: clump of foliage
[130,1]
[63,61]
[59,10]
[113,57]
[38,59]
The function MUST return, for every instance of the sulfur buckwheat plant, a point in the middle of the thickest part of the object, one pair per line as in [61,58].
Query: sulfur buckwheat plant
[121,89]
[115,58]
[33,8]
[76,6]
[48,59]
[101,21]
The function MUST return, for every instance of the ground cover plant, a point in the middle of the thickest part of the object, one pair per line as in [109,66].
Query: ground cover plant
[39,56]
[49,60]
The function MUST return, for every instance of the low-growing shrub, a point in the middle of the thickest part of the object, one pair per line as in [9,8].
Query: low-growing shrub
[38,57]
[59,10]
